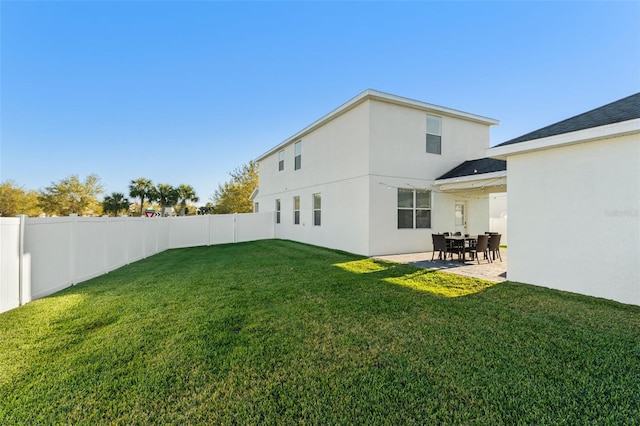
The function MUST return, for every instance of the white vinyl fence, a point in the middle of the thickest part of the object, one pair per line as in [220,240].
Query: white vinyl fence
[40,256]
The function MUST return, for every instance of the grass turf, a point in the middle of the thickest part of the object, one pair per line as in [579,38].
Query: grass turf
[276,332]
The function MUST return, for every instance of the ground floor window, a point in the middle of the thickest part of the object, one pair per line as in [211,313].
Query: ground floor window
[277,211]
[296,210]
[414,208]
[317,211]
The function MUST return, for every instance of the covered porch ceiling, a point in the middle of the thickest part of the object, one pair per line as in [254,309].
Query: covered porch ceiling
[486,182]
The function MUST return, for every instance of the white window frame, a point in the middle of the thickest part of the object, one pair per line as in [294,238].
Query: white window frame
[317,209]
[296,210]
[297,159]
[416,210]
[278,208]
[281,160]
[434,131]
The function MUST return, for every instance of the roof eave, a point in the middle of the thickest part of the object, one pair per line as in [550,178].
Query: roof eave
[587,135]
[383,97]
[478,181]
[399,100]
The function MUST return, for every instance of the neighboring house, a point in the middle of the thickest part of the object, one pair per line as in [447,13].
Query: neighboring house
[379,175]
[574,203]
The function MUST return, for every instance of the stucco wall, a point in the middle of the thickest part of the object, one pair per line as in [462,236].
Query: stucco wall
[344,219]
[398,142]
[573,218]
[384,235]
[335,165]
[334,152]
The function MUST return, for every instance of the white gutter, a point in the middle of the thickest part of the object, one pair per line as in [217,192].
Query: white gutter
[624,128]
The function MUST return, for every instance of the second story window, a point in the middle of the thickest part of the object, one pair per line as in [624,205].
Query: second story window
[434,134]
[281,161]
[298,156]
[296,210]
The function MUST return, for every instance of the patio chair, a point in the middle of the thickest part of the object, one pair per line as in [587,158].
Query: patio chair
[439,245]
[494,246]
[457,247]
[481,247]
[449,243]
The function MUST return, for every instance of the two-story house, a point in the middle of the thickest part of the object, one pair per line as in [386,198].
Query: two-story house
[365,177]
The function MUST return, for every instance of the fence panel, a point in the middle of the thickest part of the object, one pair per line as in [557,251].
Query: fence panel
[163,234]
[150,234]
[189,231]
[499,225]
[135,239]
[89,248]
[49,243]
[9,263]
[222,229]
[117,243]
[255,226]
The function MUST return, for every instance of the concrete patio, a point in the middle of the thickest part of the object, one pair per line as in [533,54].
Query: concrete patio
[496,271]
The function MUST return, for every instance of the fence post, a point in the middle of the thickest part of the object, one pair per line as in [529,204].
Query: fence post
[105,257]
[144,237]
[22,218]
[127,236]
[72,257]
[157,233]
[235,227]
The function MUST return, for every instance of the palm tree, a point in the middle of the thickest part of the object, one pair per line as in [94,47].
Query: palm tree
[115,203]
[186,193]
[166,195]
[142,188]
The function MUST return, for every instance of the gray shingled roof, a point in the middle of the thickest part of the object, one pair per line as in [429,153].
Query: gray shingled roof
[476,167]
[622,110]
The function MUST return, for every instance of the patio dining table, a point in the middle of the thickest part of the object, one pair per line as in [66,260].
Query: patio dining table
[467,241]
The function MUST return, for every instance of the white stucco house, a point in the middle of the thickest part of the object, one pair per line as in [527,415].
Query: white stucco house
[574,203]
[380,174]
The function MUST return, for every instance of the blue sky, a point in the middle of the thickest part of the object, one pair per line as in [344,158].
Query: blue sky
[185,92]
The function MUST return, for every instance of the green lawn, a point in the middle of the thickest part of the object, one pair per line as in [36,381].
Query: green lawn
[276,332]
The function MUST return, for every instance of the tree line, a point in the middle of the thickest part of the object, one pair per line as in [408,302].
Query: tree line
[72,195]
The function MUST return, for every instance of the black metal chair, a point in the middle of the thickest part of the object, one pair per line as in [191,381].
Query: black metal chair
[457,246]
[482,246]
[494,246]
[449,245]
[439,245]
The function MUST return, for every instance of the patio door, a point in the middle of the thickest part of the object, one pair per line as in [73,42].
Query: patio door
[460,218]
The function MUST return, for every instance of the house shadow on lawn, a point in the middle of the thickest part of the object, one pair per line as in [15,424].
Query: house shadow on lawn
[421,279]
